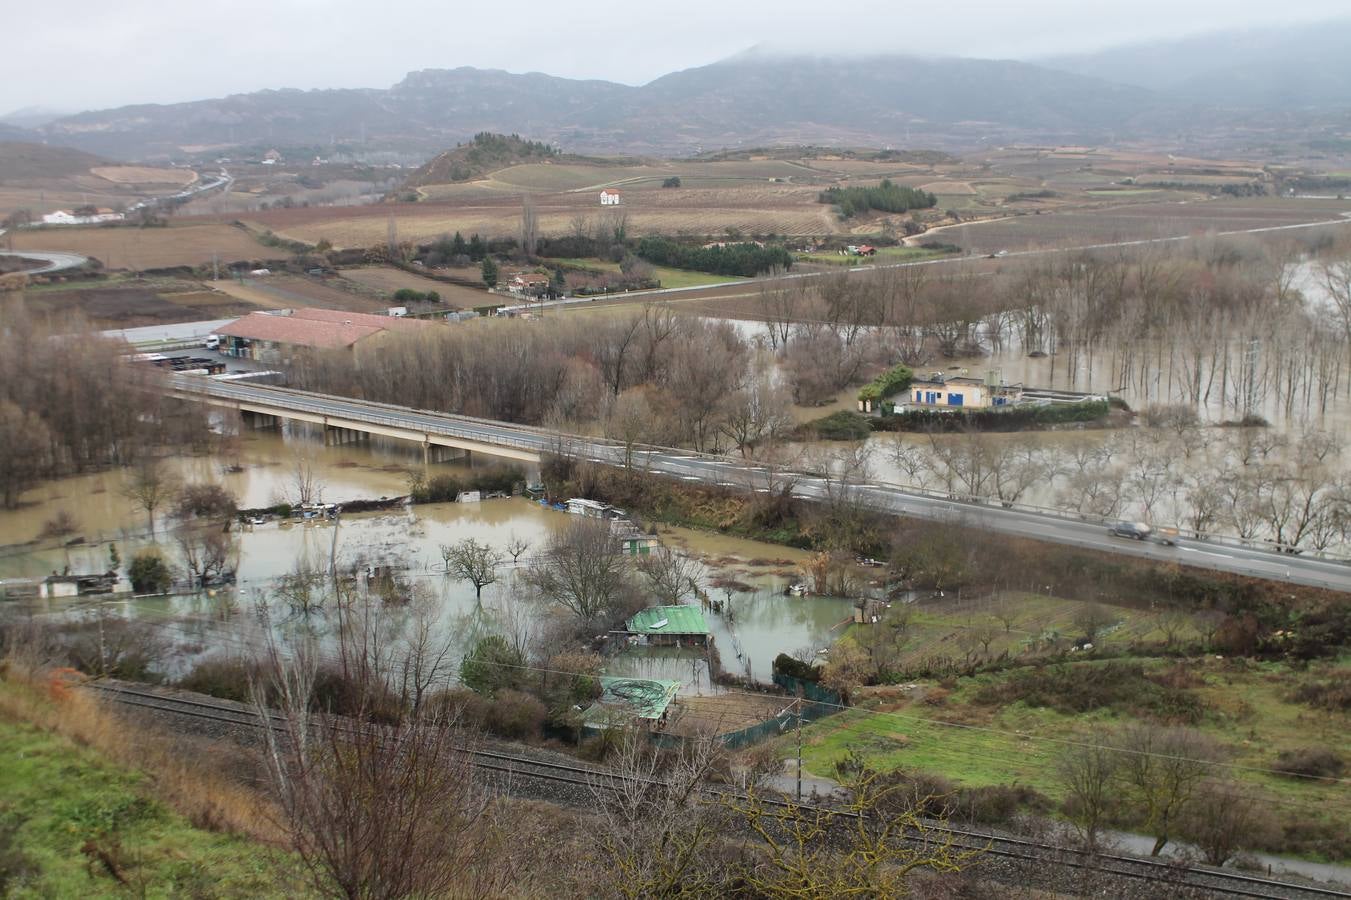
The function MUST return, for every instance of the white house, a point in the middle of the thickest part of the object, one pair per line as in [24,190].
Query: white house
[91,217]
[609,197]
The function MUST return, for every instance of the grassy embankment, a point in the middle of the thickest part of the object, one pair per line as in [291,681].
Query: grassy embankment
[669,278]
[966,731]
[91,808]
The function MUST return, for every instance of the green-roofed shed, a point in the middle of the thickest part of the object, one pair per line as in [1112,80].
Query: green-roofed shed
[628,701]
[670,625]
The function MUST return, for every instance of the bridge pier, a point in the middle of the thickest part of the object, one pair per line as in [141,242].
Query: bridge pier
[338,437]
[437,453]
[258,421]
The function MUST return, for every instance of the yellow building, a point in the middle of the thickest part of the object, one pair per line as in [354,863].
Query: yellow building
[938,389]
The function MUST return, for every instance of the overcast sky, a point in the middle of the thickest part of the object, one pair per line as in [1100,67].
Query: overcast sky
[90,54]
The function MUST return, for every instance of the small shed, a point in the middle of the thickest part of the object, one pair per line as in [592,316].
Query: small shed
[609,197]
[630,701]
[670,626]
[592,509]
[639,544]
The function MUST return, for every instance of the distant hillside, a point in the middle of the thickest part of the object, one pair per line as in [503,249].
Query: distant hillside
[485,153]
[1204,87]
[1297,66]
[20,161]
[748,100]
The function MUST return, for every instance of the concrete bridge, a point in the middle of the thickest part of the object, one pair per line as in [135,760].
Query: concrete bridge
[442,435]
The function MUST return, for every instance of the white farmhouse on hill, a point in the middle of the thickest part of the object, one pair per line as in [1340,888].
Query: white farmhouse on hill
[84,216]
[609,197]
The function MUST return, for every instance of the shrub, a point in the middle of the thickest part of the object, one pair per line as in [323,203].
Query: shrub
[516,715]
[1314,762]
[1014,418]
[1332,695]
[493,665]
[845,425]
[149,573]
[796,668]
[343,695]
[891,381]
[224,677]
[1075,689]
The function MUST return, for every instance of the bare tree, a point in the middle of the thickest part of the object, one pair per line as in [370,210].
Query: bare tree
[375,809]
[516,546]
[306,485]
[1163,767]
[583,569]
[150,485]
[659,825]
[471,561]
[25,451]
[1007,613]
[669,575]
[1222,819]
[888,839]
[1088,771]
[1092,618]
[208,551]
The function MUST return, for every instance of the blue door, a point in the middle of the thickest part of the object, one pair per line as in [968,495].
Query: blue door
[954,399]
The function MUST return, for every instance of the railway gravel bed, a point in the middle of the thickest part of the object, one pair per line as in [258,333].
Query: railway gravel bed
[538,774]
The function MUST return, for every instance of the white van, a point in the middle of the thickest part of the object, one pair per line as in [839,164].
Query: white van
[212,342]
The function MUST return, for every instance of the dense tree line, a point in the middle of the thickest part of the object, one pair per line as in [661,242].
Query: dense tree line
[728,259]
[648,376]
[886,197]
[72,402]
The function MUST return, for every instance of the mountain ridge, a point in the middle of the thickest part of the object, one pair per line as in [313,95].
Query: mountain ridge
[753,97]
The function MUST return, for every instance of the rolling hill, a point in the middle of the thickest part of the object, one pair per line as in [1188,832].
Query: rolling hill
[1188,92]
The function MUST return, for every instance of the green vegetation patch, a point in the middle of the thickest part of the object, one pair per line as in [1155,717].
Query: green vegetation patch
[886,197]
[1011,418]
[845,425]
[892,381]
[75,826]
[744,258]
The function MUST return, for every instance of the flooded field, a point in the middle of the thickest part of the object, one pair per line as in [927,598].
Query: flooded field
[756,622]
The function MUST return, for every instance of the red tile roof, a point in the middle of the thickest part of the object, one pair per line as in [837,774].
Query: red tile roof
[385,323]
[304,332]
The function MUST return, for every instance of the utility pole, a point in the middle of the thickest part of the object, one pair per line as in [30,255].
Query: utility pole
[798,719]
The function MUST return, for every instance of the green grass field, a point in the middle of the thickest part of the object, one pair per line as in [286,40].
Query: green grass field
[61,806]
[941,729]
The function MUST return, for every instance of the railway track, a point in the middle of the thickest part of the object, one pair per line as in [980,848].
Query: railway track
[582,781]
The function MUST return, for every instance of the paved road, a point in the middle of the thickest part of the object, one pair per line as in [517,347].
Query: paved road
[56,262]
[1092,535]
[751,285]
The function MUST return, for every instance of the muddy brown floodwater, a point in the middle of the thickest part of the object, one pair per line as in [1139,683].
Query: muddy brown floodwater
[762,622]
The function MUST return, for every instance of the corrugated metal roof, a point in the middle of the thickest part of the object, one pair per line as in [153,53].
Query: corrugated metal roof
[682,619]
[624,699]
